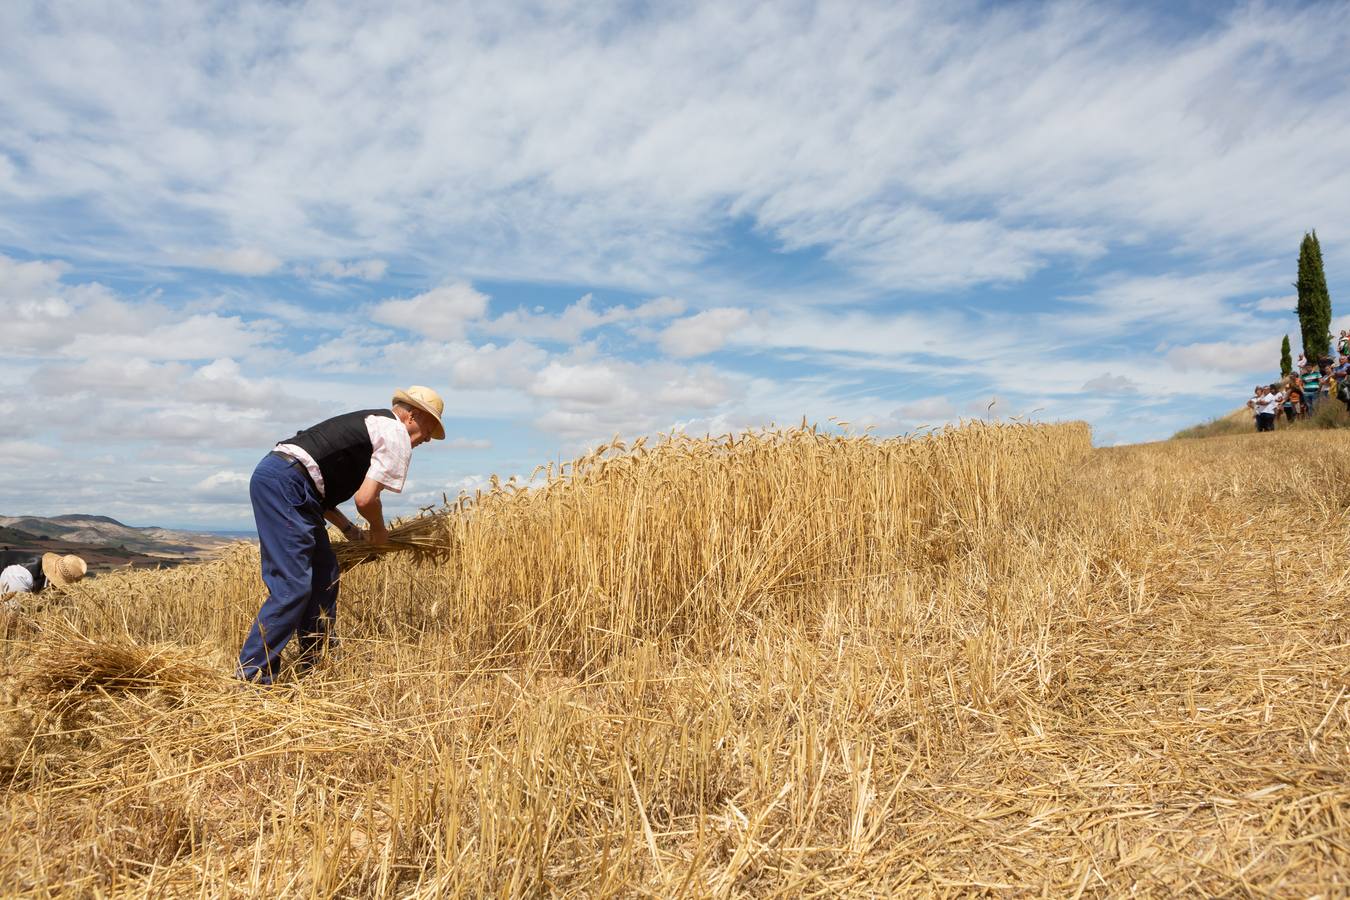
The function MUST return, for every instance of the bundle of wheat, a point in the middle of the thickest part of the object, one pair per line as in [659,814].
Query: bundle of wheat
[73,661]
[420,536]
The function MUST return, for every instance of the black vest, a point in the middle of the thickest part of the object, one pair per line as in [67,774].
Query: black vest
[341,446]
[30,562]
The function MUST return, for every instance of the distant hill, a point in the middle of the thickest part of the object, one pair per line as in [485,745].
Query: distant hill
[15,536]
[106,543]
[76,517]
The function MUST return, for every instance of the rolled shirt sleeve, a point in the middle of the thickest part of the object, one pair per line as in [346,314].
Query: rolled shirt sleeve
[391,452]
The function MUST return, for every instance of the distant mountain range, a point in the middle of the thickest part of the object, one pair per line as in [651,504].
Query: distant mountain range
[106,543]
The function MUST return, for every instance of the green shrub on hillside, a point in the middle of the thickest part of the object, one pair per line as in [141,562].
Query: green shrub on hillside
[1330,413]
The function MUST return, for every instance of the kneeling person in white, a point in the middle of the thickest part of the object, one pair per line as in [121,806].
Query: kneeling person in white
[26,573]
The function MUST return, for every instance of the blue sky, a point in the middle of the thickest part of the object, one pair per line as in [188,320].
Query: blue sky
[223,222]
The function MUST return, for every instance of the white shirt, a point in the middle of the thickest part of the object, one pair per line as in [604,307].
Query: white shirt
[15,580]
[390,454]
[1267,403]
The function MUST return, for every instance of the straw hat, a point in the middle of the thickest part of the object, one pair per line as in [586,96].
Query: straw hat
[63,570]
[427,400]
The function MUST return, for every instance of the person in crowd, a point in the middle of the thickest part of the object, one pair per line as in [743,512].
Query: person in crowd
[1265,404]
[1312,386]
[1343,344]
[1293,401]
[1342,368]
[1274,404]
[31,573]
[1341,380]
[295,489]
[1302,396]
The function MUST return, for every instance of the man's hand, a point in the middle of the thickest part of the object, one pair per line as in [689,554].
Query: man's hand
[377,534]
[343,524]
[368,505]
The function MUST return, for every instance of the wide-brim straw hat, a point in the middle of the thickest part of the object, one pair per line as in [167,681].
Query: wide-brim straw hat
[63,570]
[427,400]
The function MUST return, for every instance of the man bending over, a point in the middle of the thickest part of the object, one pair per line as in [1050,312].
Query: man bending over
[295,489]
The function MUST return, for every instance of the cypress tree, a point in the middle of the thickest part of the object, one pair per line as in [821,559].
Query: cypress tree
[1314,302]
[1286,362]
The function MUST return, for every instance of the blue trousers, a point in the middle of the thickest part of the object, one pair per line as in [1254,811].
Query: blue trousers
[298,568]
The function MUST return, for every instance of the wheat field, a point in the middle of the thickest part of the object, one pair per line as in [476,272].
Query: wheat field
[990,660]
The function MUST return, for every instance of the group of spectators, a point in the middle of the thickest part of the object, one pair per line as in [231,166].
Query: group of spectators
[1298,394]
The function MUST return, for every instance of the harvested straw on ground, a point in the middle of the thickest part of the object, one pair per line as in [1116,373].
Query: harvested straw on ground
[993,660]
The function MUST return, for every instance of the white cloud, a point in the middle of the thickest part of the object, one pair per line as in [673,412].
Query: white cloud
[928,409]
[1228,357]
[488,365]
[355,343]
[29,282]
[893,149]
[1106,383]
[184,457]
[195,337]
[577,319]
[48,318]
[660,308]
[25,451]
[590,398]
[222,381]
[693,389]
[588,383]
[463,443]
[134,371]
[221,487]
[917,147]
[728,422]
[242,261]
[988,406]
[441,313]
[853,332]
[1128,301]
[365,269]
[1277,304]
[702,333]
[109,377]
[924,412]
[188,424]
